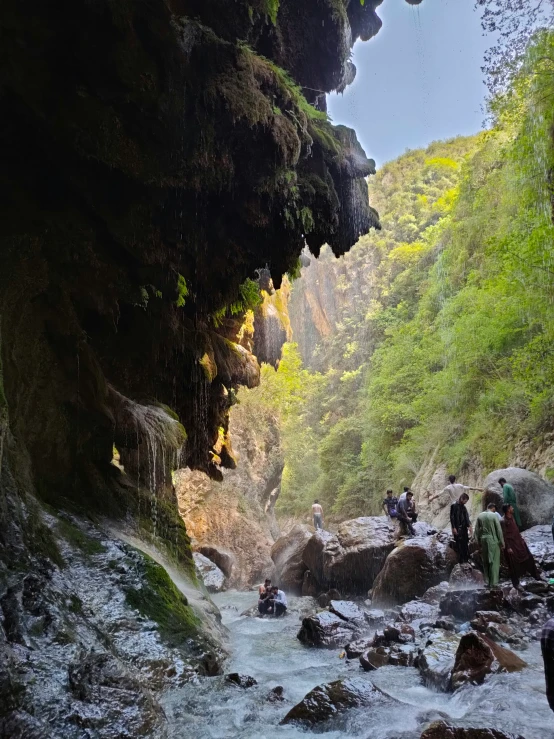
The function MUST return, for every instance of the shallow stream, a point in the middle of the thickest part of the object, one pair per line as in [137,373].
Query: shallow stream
[268,650]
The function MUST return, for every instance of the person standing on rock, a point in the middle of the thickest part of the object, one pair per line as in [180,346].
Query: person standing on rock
[518,557]
[390,504]
[491,541]
[453,490]
[547,649]
[509,496]
[406,513]
[461,526]
[317,512]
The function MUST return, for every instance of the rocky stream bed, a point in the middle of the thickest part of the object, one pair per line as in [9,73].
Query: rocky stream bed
[402,706]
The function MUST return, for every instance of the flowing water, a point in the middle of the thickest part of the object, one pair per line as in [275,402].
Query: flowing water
[268,650]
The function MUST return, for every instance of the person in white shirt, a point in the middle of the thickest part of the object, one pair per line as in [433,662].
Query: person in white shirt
[317,512]
[279,602]
[454,490]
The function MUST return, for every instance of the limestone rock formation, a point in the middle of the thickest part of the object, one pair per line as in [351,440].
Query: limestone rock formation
[328,700]
[350,559]
[287,553]
[535,496]
[414,566]
[97,628]
[212,577]
[232,521]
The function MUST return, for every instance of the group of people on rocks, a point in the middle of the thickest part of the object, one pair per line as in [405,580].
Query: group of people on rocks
[271,600]
[494,534]
[402,509]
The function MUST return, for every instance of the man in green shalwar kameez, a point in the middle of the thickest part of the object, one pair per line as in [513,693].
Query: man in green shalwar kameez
[491,540]
[510,497]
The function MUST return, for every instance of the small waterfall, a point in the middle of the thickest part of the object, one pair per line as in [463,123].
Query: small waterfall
[150,442]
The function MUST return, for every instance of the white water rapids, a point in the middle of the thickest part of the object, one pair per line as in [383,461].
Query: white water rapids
[268,650]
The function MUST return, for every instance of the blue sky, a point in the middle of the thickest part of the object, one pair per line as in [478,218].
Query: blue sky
[418,80]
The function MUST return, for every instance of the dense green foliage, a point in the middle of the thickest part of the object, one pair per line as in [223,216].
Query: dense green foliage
[444,339]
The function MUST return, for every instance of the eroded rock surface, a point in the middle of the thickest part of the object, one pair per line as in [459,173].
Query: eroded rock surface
[212,577]
[287,553]
[413,567]
[350,559]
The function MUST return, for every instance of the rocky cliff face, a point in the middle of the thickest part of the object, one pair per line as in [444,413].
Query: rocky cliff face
[155,156]
[158,155]
[232,521]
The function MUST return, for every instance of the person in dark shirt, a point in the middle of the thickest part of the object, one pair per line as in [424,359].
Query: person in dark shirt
[461,527]
[547,649]
[390,504]
[406,513]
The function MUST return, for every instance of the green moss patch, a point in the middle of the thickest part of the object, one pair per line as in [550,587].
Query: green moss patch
[75,536]
[161,601]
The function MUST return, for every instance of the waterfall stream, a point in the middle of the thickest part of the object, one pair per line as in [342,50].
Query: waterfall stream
[268,650]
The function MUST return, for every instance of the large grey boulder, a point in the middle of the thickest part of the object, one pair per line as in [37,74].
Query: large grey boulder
[535,496]
[209,572]
[414,566]
[351,559]
[287,553]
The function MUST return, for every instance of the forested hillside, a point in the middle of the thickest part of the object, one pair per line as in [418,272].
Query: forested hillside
[434,335]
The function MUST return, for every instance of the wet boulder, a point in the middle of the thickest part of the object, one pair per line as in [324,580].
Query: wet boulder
[241,681]
[350,559]
[310,585]
[374,658]
[437,658]
[541,545]
[328,700]
[348,611]
[477,656]
[226,561]
[276,694]
[325,598]
[463,604]
[466,576]
[287,553]
[412,568]
[326,630]
[535,496]
[418,613]
[442,730]
[209,572]
[356,648]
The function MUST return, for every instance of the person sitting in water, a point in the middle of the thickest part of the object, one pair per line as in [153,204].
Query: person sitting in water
[265,593]
[279,601]
[265,587]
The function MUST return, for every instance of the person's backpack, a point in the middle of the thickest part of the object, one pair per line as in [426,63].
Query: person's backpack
[393,513]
